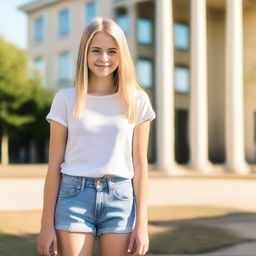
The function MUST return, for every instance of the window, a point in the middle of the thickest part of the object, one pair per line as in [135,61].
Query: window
[39,29]
[254,127]
[90,12]
[181,78]
[181,36]
[39,65]
[123,22]
[144,72]
[144,31]
[63,22]
[64,67]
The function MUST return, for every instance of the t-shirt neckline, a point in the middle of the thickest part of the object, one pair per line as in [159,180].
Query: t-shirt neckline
[99,97]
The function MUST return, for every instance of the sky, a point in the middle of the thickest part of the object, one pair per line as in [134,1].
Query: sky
[13,22]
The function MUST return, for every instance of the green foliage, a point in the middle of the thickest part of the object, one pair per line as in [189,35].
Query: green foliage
[15,88]
[38,105]
[22,100]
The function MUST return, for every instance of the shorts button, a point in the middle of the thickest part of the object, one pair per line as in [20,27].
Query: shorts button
[78,186]
[98,182]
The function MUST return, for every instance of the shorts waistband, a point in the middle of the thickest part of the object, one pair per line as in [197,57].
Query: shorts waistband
[94,182]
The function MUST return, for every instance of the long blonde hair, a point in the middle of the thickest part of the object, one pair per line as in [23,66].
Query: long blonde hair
[125,80]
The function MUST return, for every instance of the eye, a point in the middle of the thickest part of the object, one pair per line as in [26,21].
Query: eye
[112,51]
[95,50]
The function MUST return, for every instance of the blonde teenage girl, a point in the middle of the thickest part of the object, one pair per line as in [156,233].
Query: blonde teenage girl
[97,179]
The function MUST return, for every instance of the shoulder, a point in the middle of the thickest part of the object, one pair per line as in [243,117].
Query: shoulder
[140,92]
[142,96]
[65,94]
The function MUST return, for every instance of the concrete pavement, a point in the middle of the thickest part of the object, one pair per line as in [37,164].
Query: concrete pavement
[245,249]
[23,190]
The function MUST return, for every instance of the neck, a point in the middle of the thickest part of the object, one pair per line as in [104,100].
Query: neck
[101,85]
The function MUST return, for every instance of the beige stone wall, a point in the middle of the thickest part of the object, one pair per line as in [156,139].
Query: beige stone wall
[181,13]
[216,60]
[250,82]
[216,82]
[216,76]
[54,44]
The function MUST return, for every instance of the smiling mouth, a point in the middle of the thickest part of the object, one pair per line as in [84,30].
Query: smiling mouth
[100,66]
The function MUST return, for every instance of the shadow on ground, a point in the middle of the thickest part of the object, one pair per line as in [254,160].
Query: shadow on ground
[23,245]
[172,229]
[14,245]
[197,235]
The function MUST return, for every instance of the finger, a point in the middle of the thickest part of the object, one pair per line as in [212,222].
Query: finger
[134,248]
[46,251]
[137,252]
[145,249]
[55,247]
[131,243]
[140,249]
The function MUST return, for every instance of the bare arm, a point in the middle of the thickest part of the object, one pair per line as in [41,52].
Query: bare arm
[140,163]
[140,184]
[58,139]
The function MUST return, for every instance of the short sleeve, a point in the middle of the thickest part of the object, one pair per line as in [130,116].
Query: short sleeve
[58,111]
[145,110]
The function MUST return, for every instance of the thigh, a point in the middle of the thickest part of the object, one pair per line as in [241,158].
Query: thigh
[118,215]
[114,244]
[74,244]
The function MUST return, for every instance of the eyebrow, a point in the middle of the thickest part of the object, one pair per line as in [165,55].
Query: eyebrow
[112,48]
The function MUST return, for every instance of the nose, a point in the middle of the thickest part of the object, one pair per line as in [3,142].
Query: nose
[104,56]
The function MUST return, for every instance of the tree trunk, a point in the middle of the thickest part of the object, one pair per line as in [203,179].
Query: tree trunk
[4,146]
[32,151]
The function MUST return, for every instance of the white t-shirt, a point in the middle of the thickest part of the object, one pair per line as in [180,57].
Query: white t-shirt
[100,143]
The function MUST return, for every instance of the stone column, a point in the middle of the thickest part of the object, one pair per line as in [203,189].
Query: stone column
[198,118]
[132,14]
[165,87]
[235,155]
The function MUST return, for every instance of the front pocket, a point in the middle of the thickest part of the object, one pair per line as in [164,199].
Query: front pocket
[68,190]
[123,191]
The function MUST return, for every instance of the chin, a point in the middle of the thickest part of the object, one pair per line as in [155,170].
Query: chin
[102,74]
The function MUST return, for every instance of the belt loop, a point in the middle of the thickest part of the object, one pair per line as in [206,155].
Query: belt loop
[109,186]
[83,183]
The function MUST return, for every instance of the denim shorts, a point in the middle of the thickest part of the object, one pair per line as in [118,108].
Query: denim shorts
[95,205]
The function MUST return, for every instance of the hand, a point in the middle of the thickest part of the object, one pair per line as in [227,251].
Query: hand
[139,241]
[47,242]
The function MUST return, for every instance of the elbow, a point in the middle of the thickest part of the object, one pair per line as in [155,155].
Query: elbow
[141,166]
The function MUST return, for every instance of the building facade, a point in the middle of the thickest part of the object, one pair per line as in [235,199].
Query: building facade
[196,58]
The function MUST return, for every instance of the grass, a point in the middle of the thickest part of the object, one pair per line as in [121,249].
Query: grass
[172,230]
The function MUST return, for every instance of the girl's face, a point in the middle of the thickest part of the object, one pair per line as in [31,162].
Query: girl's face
[103,55]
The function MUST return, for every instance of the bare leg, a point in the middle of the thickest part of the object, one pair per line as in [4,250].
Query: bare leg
[74,244]
[114,244]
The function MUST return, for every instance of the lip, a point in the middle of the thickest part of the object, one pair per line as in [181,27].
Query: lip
[102,66]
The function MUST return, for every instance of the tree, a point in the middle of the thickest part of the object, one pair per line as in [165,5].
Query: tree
[16,90]
[36,132]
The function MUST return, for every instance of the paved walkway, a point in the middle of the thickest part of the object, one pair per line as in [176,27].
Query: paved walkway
[244,224]
[221,190]
[246,249]
[24,190]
